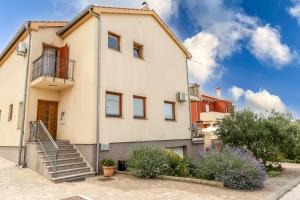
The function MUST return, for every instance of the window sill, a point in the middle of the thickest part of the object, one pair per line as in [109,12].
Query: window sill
[114,116]
[171,120]
[138,58]
[140,118]
[115,50]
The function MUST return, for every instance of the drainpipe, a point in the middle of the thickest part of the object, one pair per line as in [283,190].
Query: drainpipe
[98,88]
[20,163]
[189,100]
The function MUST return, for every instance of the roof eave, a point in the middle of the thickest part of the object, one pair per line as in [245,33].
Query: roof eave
[21,30]
[74,20]
[83,13]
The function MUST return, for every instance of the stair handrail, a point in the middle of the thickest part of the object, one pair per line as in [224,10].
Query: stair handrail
[41,134]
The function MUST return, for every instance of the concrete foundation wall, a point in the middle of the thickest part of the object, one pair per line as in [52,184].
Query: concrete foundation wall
[33,160]
[121,151]
[10,153]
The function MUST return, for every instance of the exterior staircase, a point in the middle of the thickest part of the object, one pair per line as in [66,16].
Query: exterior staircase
[70,164]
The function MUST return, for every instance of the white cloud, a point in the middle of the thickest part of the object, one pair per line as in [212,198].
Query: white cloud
[228,23]
[265,44]
[263,101]
[236,93]
[257,101]
[203,47]
[225,29]
[295,10]
[233,28]
[165,8]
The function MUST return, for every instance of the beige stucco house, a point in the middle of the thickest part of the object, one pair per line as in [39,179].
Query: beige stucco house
[111,76]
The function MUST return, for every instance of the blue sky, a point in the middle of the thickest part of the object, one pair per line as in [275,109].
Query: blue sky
[250,48]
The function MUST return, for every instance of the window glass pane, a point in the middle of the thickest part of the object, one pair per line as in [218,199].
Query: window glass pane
[112,104]
[113,42]
[136,52]
[138,107]
[169,111]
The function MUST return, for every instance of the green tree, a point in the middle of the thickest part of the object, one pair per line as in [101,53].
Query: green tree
[266,135]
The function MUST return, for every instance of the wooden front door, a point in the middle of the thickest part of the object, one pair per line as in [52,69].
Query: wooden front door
[47,113]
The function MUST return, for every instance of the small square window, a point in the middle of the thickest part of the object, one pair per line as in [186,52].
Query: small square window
[113,104]
[169,108]
[139,107]
[10,112]
[138,50]
[114,41]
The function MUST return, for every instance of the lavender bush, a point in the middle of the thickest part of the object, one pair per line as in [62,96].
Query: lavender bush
[235,167]
[148,161]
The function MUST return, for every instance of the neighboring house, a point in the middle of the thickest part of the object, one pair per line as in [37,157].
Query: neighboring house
[207,109]
[100,78]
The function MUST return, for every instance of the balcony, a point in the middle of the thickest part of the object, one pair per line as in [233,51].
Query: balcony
[212,116]
[53,73]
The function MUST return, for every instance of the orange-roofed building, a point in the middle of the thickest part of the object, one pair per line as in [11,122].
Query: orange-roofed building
[207,109]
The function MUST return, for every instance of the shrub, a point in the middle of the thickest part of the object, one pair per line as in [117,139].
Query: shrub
[179,166]
[235,167]
[148,161]
[266,135]
[108,162]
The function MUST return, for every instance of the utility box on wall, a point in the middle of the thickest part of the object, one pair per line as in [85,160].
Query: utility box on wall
[104,147]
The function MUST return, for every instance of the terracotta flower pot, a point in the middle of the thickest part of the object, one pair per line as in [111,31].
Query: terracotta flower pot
[108,171]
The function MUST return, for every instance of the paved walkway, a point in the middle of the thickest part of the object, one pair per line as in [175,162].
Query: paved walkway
[17,184]
[294,194]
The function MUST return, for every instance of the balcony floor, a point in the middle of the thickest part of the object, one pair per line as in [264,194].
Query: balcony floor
[50,83]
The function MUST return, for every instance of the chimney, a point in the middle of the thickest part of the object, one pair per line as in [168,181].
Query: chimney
[218,92]
[145,6]
[195,90]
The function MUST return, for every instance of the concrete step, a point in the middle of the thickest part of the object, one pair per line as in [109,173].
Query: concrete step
[62,151]
[62,142]
[67,166]
[63,161]
[73,177]
[69,172]
[64,147]
[61,156]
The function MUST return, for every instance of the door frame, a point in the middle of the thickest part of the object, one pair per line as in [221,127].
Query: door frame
[37,112]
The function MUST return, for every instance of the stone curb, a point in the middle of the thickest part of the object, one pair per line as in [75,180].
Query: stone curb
[182,179]
[281,192]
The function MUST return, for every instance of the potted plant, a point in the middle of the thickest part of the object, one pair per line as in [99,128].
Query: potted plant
[108,166]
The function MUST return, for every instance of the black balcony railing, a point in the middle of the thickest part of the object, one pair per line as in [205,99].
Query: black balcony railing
[53,66]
